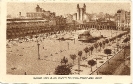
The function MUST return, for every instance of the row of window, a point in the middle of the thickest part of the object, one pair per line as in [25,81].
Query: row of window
[26,24]
[34,14]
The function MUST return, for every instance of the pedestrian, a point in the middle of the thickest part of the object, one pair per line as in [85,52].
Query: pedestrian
[25,73]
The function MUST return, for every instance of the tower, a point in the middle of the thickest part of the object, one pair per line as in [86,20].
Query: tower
[19,14]
[84,11]
[77,6]
[81,12]
[78,12]
[84,7]
[37,8]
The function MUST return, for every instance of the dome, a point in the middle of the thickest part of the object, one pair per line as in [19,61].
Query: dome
[92,32]
[95,33]
[86,33]
[119,11]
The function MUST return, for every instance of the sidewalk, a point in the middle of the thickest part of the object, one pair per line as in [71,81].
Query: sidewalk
[101,59]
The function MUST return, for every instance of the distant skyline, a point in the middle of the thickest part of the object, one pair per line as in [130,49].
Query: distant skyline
[13,9]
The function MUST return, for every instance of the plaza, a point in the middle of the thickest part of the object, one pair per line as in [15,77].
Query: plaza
[23,56]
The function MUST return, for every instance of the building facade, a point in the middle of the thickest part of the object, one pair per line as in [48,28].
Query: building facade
[40,21]
[122,19]
[80,16]
[40,13]
[81,12]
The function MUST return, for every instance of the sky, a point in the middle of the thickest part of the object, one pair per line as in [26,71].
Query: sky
[13,8]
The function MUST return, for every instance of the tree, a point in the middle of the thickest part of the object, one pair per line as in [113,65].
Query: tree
[103,44]
[36,37]
[80,54]
[64,60]
[120,35]
[63,70]
[86,51]
[126,40]
[117,44]
[100,44]
[110,40]
[107,41]
[96,46]
[115,38]
[91,63]
[107,51]
[91,48]
[31,37]
[73,57]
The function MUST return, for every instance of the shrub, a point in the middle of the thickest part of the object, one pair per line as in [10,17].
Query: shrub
[63,70]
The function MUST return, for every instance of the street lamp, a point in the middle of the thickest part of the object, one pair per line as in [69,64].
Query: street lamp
[96,61]
[68,45]
[25,73]
[79,65]
[117,46]
[111,33]
[38,50]
[74,40]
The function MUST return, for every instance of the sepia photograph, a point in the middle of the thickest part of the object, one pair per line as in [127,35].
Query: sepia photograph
[68,38]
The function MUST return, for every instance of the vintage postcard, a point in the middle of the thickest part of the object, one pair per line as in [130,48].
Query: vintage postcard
[67,42]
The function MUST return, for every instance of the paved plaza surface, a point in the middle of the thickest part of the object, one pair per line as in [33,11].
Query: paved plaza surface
[23,56]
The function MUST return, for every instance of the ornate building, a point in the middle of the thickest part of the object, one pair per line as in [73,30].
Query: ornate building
[81,12]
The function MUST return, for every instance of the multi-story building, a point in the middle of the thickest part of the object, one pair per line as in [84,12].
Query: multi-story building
[36,22]
[107,25]
[74,16]
[127,21]
[40,13]
[50,16]
[22,27]
[69,18]
[122,19]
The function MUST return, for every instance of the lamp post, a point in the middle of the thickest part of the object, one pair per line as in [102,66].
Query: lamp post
[38,51]
[96,61]
[79,65]
[74,40]
[111,33]
[25,73]
[117,46]
[116,37]
[68,45]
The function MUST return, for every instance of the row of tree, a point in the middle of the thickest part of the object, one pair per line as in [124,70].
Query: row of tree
[60,70]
